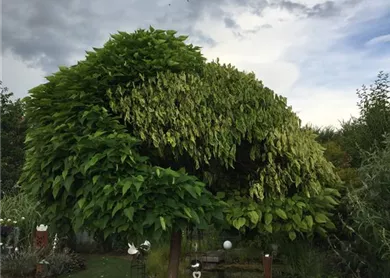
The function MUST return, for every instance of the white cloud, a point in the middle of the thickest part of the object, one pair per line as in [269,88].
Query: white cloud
[19,77]
[300,58]
[277,55]
[378,40]
[324,107]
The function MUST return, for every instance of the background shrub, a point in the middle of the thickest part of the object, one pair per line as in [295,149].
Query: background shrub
[19,264]
[16,208]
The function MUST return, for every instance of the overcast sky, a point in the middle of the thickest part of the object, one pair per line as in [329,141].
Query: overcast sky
[316,53]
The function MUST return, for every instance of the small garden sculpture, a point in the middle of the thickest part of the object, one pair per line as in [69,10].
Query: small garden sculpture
[196,267]
[137,258]
[143,249]
[227,245]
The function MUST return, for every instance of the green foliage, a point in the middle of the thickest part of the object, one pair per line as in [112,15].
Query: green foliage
[105,185]
[108,139]
[158,260]
[367,131]
[19,264]
[86,166]
[25,210]
[324,134]
[13,128]
[336,153]
[292,215]
[63,262]
[304,259]
[370,214]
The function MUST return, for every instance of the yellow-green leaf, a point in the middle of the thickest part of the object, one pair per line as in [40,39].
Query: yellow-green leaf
[81,202]
[239,223]
[309,220]
[292,235]
[268,228]
[321,218]
[254,217]
[279,212]
[267,218]
[162,222]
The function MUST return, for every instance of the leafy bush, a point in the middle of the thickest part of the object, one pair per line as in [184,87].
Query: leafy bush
[366,132]
[13,129]
[20,264]
[25,210]
[367,249]
[64,262]
[303,259]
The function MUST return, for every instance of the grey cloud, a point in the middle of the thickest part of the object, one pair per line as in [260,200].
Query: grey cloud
[230,23]
[266,26]
[49,33]
[46,32]
[326,9]
[292,6]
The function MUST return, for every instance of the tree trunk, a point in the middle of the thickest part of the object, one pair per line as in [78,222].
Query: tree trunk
[174,255]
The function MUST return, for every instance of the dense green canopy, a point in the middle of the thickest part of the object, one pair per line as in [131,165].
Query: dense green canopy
[13,128]
[104,135]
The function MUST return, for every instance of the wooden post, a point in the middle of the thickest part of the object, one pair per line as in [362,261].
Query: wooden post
[174,255]
[267,266]
[39,270]
[41,242]
[41,239]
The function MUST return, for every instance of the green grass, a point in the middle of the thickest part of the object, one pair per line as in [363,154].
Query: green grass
[104,266]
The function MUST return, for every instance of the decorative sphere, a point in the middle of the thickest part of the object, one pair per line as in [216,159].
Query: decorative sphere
[227,245]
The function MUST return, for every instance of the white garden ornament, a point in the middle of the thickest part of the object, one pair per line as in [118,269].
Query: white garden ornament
[145,246]
[42,228]
[132,250]
[227,245]
[196,274]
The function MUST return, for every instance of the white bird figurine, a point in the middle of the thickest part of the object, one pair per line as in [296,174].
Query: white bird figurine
[145,246]
[132,250]
[196,265]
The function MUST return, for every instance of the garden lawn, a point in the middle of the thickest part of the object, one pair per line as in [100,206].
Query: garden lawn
[105,267]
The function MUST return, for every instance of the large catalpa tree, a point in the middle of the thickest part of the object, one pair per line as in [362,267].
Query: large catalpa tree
[128,140]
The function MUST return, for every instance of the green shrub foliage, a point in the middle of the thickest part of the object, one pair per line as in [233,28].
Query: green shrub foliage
[13,129]
[127,140]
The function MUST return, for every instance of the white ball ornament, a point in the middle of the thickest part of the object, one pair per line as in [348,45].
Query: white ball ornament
[227,245]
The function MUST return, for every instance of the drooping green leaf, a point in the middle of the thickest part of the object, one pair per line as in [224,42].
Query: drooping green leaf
[268,218]
[320,218]
[239,223]
[254,217]
[81,202]
[309,220]
[162,222]
[292,235]
[117,207]
[279,212]
[129,212]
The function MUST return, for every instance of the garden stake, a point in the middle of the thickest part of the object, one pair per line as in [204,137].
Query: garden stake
[41,242]
[41,237]
[267,266]
[39,270]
